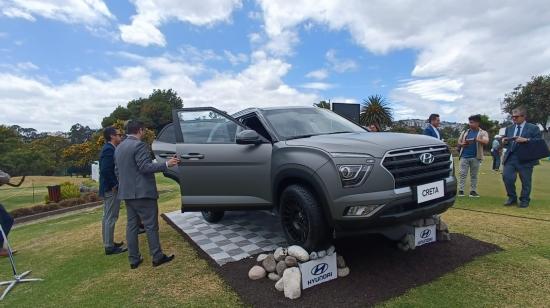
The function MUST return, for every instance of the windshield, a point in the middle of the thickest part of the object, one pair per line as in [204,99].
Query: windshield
[295,123]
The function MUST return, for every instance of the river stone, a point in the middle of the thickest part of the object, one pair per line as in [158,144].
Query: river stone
[292,279]
[331,250]
[299,253]
[256,272]
[269,263]
[313,256]
[290,261]
[321,254]
[261,257]
[340,262]
[279,254]
[343,272]
[279,285]
[442,226]
[280,268]
[429,221]
[273,276]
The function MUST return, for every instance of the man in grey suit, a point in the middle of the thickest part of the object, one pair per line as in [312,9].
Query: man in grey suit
[138,188]
[516,136]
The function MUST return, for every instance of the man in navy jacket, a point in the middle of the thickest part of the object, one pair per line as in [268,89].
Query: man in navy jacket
[432,128]
[108,189]
[516,136]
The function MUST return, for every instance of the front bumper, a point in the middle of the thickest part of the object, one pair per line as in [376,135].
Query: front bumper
[399,206]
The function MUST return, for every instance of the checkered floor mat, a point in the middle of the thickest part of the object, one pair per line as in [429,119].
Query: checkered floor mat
[238,235]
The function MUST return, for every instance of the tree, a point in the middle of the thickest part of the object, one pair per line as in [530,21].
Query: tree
[80,133]
[323,104]
[534,96]
[376,110]
[155,111]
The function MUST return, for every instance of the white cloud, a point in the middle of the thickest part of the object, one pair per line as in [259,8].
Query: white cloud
[88,12]
[151,14]
[86,100]
[235,59]
[340,65]
[319,74]
[317,85]
[27,66]
[485,47]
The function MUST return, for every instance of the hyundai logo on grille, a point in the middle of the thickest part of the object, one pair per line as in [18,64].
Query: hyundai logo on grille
[427,158]
[319,269]
[425,233]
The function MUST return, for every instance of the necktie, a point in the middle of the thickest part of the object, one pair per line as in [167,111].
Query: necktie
[514,144]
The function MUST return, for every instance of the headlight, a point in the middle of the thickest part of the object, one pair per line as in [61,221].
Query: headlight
[353,175]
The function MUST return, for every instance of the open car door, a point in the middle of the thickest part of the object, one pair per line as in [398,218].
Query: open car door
[216,172]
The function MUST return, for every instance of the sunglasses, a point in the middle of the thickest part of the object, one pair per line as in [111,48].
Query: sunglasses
[517,116]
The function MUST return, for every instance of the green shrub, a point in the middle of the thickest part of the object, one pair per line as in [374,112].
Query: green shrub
[69,190]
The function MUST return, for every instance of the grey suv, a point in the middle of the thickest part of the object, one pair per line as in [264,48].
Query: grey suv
[324,175]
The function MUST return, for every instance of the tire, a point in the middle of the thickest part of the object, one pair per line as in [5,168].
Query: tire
[212,216]
[302,219]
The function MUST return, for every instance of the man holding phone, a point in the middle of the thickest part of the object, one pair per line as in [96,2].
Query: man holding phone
[470,143]
[516,136]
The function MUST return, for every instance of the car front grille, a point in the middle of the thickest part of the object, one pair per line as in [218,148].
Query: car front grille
[408,169]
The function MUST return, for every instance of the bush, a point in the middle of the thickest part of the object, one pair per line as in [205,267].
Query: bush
[69,190]
[85,198]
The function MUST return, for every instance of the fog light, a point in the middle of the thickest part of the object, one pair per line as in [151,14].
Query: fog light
[362,210]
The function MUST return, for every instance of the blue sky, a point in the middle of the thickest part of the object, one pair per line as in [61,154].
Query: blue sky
[69,61]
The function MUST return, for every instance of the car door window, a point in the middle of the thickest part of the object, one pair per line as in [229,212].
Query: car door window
[204,127]
[167,134]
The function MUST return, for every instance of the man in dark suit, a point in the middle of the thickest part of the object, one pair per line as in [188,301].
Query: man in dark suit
[432,128]
[138,188]
[516,136]
[5,218]
[108,185]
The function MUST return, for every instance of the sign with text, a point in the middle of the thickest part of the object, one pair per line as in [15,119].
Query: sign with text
[430,191]
[318,271]
[424,235]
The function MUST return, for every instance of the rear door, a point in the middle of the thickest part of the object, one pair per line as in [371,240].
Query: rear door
[215,172]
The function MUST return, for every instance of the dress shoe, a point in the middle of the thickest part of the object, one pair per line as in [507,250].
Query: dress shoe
[135,265]
[164,259]
[118,244]
[461,193]
[510,202]
[115,250]
[523,204]
[4,252]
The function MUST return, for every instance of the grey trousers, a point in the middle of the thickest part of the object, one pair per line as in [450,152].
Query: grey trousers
[146,210]
[466,164]
[110,216]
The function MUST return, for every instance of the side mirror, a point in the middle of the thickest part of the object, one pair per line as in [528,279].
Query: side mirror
[248,136]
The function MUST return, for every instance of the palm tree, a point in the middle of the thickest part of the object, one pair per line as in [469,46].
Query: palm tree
[323,104]
[376,110]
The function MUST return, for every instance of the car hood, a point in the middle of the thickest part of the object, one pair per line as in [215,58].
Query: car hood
[375,144]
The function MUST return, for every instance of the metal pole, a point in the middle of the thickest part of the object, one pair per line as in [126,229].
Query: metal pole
[32,192]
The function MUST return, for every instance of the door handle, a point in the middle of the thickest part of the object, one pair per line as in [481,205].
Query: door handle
[166,155]
[192,156]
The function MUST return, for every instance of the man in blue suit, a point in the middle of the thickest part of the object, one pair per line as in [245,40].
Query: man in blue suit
[516,136]
[432,128]
[108,189]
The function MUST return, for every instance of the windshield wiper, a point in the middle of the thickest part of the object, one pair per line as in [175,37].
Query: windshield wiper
[342,132]
[301,136]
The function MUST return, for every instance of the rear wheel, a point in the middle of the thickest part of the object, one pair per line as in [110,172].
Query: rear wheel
[302,219]
[212,216]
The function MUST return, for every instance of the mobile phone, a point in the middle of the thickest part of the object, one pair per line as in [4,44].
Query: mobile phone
[472,140]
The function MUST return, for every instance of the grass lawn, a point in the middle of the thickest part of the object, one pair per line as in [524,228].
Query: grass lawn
[18,197]
[67,253]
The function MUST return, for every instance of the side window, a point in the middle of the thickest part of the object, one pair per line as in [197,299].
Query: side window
[167,134]
[254,123]
[202,127]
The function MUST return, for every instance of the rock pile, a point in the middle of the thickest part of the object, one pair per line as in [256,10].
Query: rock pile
[442,232]
[281,266]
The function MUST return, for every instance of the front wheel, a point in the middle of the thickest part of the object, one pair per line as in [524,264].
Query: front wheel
[302,219]
[212,216]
